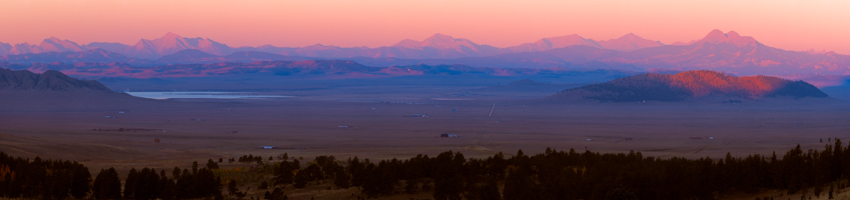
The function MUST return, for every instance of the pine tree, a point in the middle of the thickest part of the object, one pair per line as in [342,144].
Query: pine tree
[194,167]
[211,164]
[130,184]
[341,178]
[168,188]
[301,179]
[283,174]
[107,185]
[80,187]
[231,188]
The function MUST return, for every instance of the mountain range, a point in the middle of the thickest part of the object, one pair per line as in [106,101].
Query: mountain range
[326,68]
[729,52]
[690,85]
[438,46]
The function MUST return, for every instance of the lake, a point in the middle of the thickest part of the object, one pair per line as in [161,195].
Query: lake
[202,95]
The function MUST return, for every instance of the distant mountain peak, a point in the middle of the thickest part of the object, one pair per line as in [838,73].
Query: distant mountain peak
[816,52]
[628,42]
[630,36]
[567,40]
[170,35]
[440,37]
[437,40]
[444,42]
[731,37]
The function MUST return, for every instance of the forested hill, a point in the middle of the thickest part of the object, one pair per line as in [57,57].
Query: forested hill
[689,85]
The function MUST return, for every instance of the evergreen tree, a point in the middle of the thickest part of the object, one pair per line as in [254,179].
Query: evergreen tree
[211,164]
[283,174]
[231,188]
[301,179]
[168,191]
[130,184]
[80,187]
[341,178]
[194,167]
[107,185]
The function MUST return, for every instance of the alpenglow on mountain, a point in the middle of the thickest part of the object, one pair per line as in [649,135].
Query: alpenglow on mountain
[690,85]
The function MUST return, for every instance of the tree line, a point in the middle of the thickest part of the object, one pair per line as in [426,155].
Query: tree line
[578,175]
[451,176]
[57,179]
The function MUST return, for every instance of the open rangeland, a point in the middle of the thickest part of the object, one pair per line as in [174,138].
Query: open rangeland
[382,125]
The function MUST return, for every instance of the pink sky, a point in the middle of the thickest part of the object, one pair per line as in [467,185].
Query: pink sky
[791,25]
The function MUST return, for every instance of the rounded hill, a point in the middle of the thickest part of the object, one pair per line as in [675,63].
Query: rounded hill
[689,85]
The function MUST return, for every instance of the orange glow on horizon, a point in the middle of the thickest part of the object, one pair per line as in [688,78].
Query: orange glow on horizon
[790,25]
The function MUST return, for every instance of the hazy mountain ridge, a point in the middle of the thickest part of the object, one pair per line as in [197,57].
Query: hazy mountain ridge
[729,52]
[734,53]
[95,55]
[50,80]
[438,46]
[341,68]
[689,85]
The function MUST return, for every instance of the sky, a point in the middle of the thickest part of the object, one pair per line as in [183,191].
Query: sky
[791,25]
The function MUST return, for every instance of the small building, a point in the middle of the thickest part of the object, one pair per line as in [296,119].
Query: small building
[710,138]
[120,112]
[444,135]
[344,126]
[589,140]
[268,147]
[453,135]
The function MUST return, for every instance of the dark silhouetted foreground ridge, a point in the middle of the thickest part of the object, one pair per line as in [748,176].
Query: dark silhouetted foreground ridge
[50,80]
